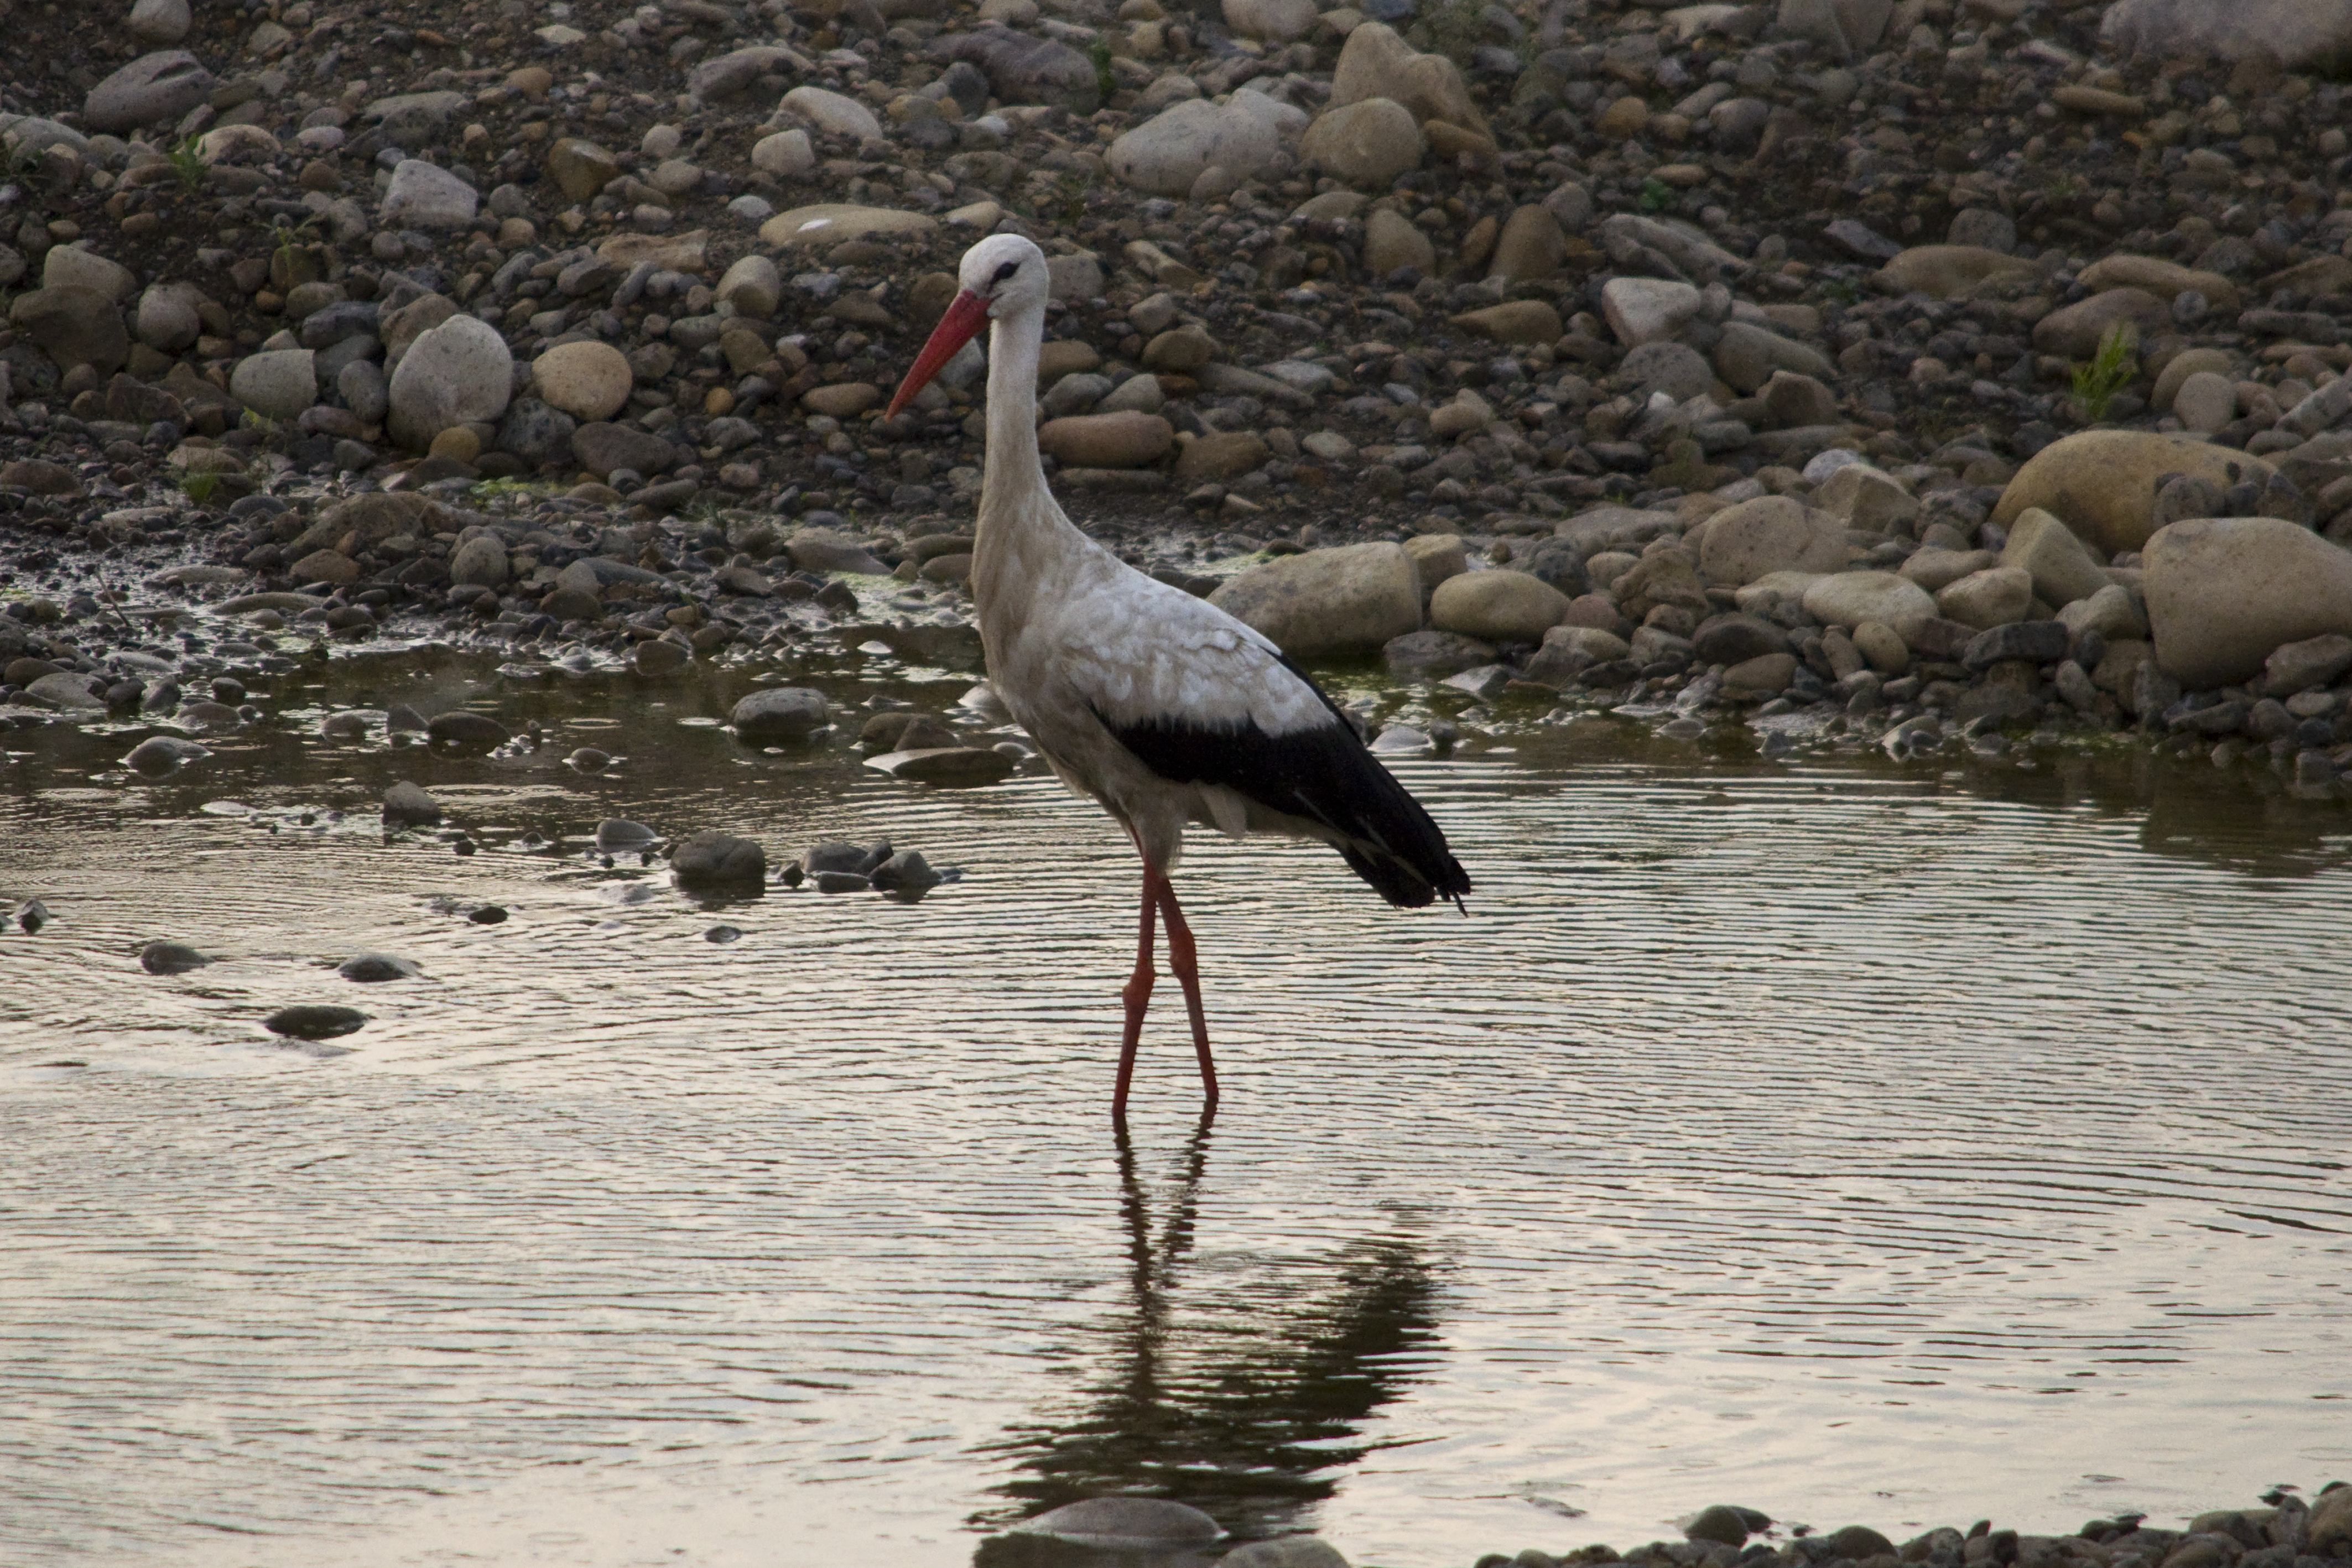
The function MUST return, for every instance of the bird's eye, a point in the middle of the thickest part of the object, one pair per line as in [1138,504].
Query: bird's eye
[1007,270]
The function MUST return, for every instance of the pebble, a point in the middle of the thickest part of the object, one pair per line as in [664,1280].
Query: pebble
[170,958]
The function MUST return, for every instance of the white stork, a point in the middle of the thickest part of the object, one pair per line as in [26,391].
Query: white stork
[1155,704]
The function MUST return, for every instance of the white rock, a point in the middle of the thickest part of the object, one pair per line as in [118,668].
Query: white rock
[426,196]
[279,385]
[1165,154]
[1754,538]
[167,318]
[832,113]
[160,21]
[1647,309]
[1850,598]
[785,153]
[455,373]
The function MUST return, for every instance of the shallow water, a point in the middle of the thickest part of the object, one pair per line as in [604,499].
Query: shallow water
[1854,1143]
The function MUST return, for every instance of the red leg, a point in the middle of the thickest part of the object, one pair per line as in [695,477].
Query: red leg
[1137,995]
[1185,961]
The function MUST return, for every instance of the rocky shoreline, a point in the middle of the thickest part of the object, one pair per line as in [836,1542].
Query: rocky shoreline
[2287,1531]
[1955,377]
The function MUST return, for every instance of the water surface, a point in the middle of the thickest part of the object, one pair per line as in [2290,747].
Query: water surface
[1857,1144]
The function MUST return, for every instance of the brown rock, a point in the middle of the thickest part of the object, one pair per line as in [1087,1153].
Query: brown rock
[74,326]
[1522,321]
[841,400]
[1123,440]
[326,566]
[1222,454]
[2075,331]
[2101,483]
[39,476]
[581,168]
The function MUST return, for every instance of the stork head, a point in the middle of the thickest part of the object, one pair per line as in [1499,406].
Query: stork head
[1003,274]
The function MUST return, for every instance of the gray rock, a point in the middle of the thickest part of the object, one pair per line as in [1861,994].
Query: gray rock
[278,384]
[167,318]
[906,876]
[170,958]
[462,729]
[312,1020]
[426,196]
[619,835]
[1126,1522]
[603,447]
[162,86]
[2300,667]
[1431,655]
[31,916]
[2036,642]
[407,805]
[373,969]
[457,373]
[1719,1523]
[70,693]
[1733,639]
[160,21]
[480,563]
[535,433]
[780,713]
[158,755]
[718,861]
[1666,366]
[363,391]
[1026,69]
[2298,34]
[1287,1551]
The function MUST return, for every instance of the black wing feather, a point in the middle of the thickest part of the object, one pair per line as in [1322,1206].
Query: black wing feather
[1326,775]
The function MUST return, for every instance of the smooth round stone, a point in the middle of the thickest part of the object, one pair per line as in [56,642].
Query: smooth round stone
[170,958]
[588,760]
[947,766]
[344,726]
[161,754]
[1126,1522]
[615,834]
[372,968]
[460,729]
[312,1020]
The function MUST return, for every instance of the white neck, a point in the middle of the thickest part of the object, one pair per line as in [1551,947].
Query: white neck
[1012,478]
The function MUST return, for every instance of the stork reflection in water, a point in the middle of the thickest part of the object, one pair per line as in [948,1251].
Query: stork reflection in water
[1249,1398]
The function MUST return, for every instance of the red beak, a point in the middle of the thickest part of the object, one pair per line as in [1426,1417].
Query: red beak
[966,315]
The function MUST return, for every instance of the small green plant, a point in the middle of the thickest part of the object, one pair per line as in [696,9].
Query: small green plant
[254,419]
[1655,194]
[2108,372]
[1105,82]
[199,487]
[188,164]
[289,237]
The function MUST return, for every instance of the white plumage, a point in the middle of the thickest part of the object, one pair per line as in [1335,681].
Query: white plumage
[1155,704]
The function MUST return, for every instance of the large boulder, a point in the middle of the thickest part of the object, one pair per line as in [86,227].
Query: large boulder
[1366,144]
[1349,600]
[2223,593]
[1749,540]
[1376,63]
[2101,483]
[1850,598]
[278,383]
[459,372]
[71,266]
[2298,34]
[1497,606]
[162,86]
[1247,137]
[73,326]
